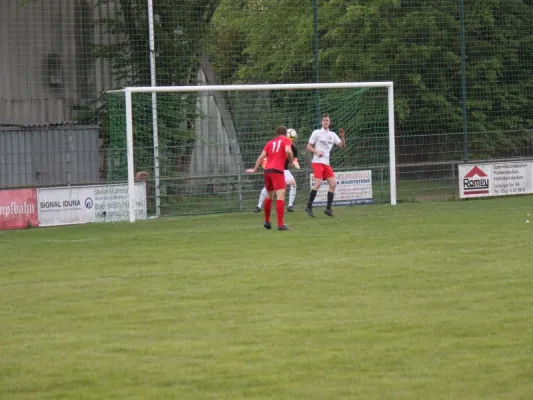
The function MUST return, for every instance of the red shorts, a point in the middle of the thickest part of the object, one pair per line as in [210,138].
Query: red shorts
[274,181]
[322,171]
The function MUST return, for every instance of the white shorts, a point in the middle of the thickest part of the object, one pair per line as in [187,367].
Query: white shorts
[288,176]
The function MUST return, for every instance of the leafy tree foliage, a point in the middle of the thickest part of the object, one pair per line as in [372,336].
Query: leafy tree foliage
[414,44]
[180,30]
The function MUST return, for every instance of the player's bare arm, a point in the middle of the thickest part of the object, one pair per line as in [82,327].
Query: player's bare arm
[311,149]
[257,163]
[342,144]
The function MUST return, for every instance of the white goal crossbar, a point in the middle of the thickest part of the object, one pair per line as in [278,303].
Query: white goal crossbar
[128,91]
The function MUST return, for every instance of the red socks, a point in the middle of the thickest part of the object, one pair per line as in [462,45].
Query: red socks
[268,208]
[280,209]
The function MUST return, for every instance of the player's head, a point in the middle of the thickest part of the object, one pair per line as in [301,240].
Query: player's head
[326,121]
[281,131]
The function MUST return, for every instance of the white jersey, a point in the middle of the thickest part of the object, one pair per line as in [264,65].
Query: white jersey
[323,140]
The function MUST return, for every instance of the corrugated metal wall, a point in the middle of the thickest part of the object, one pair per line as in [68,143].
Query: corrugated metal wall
[46,65]
[55,156]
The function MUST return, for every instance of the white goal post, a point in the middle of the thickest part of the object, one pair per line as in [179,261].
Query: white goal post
[128,91]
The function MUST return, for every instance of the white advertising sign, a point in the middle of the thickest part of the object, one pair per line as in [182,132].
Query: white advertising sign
[83,204]
[495,179]
[353,187]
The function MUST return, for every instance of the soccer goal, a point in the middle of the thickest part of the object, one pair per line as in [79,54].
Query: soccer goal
[191,144]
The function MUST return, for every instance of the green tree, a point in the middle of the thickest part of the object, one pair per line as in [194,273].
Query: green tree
[499,48]
[180,31]
[414,44]
[255,41]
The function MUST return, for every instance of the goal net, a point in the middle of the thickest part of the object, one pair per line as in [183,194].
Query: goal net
[191,144]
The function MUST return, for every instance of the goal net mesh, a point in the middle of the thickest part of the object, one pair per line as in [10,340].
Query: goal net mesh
[207,139]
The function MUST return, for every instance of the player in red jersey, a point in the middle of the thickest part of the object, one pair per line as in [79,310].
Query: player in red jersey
[277,151]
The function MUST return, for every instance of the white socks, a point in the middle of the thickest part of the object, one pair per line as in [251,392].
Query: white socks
[262,197]
[292,195]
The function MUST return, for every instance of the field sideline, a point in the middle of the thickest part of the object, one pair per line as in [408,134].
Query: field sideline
[417,301]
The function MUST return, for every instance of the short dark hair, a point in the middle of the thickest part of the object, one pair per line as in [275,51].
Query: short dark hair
[325,115]
[281,131]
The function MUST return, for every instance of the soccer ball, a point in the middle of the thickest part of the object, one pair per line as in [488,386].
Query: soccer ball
[291,134]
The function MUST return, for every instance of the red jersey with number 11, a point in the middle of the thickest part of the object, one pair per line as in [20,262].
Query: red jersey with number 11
[276,155]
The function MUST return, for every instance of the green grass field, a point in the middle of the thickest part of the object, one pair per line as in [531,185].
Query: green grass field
[417,301]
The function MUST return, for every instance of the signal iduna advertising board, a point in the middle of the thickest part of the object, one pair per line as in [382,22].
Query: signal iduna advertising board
[84,204]
[495,179]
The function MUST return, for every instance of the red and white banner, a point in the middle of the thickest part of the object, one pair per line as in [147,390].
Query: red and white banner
[18,209]
[495,179]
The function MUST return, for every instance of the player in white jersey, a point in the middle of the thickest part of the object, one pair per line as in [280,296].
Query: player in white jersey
[320,144]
